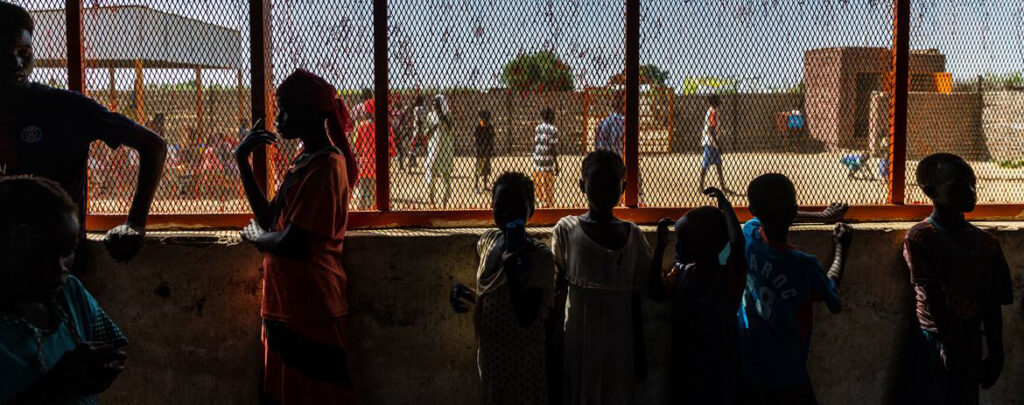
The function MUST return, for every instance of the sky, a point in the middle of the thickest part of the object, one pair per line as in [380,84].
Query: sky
[464,43]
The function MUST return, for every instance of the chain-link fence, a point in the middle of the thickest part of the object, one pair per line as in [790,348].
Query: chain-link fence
[728,90]
[969,98]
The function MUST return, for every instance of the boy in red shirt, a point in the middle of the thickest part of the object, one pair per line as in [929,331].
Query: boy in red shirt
[960,279]
[366,151]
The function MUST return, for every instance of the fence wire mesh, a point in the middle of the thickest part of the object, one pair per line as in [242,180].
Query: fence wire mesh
[967,92]
[802,87]
[787,80]
[335,41]
[182,70]
[509,61]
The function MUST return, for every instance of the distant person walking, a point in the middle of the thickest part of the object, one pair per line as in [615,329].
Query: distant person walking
[545,158]
[483,142]
[608,133]
[440,150]
[418,139]
[712,151]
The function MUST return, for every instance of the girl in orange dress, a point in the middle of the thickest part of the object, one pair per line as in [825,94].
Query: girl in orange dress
[301,233]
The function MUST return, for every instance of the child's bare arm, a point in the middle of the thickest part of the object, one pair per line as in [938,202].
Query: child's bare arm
[292,243]
[842,235]
[834,213]
[993,363]
[656,289]
[922,278]
[461,298]
[737,244]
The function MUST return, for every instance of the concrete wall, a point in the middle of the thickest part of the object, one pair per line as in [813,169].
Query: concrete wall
[190,307]
[747,120]
[935,123]
[1003,121]
[830,82]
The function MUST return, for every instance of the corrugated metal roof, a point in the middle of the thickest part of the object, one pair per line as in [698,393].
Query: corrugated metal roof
[118,36]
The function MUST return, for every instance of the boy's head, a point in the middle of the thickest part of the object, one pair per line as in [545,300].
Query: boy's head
[39,233]
[714,100]
[603,179]
[513,198]
[773,199]
[419,100]
[484,115]
[547,114]
[700,235]
[16,59]
[948,181]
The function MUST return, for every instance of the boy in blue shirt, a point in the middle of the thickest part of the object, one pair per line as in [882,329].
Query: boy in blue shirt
[775,313]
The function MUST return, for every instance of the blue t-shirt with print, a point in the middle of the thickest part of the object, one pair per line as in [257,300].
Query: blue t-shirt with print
[775,312]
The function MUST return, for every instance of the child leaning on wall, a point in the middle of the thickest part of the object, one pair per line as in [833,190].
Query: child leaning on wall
[705,293]
[960,279]
[515,279]
[775,315]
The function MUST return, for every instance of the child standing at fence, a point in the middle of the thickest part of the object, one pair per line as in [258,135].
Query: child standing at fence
[301,234]
[56,343]
[603,268]
[705,294]
[366,149]
[711,154]
[440,151]
[545,157]
[483,138]
[782,284]
[960,279]
[47,132]
[515,279]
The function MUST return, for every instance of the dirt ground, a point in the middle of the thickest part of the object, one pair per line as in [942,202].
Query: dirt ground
[667,180]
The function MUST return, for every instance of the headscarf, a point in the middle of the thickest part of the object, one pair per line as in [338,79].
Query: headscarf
[305,90]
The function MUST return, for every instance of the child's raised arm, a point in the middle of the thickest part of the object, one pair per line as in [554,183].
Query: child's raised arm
[657,291]
[737,244]
[834,213]
[842,235]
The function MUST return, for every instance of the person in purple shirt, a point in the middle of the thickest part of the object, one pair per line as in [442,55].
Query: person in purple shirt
[47,132]
[608,133]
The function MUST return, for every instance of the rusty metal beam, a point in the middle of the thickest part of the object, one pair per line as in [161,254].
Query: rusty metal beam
[260,85]
[381,116]
[631,151]
[900,81]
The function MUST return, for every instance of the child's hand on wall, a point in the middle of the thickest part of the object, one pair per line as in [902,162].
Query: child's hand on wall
[843,235]
[835,212]
[252,232]
[663,226]
[461,298]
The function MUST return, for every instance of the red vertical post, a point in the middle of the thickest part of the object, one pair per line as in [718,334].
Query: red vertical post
[76,54]
[260,86]
[381,115]
[898,105]
[632,130]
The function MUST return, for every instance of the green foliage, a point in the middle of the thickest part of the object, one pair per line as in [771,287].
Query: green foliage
[1010,164]
[1011,80]
[796,89]
[538,71]
[649,74]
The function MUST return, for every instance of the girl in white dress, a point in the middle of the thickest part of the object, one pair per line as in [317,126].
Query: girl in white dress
[603,268]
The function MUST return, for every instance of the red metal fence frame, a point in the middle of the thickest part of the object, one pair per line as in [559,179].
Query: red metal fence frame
[384,217]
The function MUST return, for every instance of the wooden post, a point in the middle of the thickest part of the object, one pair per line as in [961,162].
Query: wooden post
[381,115]
[112,89]
[900,79]
[632,130]
[200,128]
[140,103]
[240,91]
[260,83]
[76,58]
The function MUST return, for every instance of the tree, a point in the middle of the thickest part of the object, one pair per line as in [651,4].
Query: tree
[649,74]
[537,71]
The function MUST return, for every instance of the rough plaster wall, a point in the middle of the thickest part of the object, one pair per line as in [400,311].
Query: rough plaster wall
[198,344]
